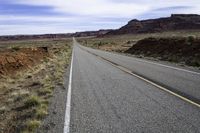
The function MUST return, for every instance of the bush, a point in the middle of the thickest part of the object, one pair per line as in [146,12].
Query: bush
[15,48]
[41,112]
[32,101]
[45,91]
[33,125]
[193,62]
[191,38]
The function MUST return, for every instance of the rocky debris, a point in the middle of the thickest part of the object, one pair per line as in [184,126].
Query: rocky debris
[175,22]
[175,49]
[12,61]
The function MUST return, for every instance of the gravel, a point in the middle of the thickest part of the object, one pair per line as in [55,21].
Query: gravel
[54,122]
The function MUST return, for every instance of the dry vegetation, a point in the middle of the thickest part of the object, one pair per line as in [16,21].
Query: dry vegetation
[121,43]
[185,50]
[129,40]
[25,96]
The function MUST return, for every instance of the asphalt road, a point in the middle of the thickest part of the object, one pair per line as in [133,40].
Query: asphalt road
[105,99]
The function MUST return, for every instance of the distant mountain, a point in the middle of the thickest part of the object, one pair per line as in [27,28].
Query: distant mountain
[91,33]
[29,37]
[175,22]
[54,36]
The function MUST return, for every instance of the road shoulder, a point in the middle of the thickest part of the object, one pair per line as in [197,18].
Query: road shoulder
[54,122]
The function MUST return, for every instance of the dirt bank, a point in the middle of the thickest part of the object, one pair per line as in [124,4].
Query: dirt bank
[15,59]
[25,96]
[175,49]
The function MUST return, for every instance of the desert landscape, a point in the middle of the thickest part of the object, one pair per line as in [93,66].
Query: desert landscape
[32,66]
[29,72]
[172,46]
[98,66]
[174,39]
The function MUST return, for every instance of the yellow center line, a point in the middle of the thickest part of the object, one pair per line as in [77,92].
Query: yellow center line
[146,80]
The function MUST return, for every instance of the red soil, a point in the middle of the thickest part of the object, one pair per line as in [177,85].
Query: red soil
[12,60]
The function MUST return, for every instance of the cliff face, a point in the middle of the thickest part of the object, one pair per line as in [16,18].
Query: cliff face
[175,22]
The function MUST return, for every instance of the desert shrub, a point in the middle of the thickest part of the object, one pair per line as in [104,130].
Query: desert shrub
[194,62]
[45,91]
[32,101]
[191,38]
[33,125]
[173,58]
[41,112]
[15,48]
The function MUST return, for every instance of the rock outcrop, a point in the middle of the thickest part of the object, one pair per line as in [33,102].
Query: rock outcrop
[175,22]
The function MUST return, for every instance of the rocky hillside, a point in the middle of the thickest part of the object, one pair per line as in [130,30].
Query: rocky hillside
[175,22]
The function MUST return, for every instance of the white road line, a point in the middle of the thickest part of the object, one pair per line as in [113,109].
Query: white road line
[180,69]
[152,83]
[148,81]
[68,105]
[158,86]
[167,66]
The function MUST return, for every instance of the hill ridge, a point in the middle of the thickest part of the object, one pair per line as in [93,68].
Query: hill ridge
[174,22]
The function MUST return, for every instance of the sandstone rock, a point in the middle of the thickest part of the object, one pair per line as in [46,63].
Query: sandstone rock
[175,22]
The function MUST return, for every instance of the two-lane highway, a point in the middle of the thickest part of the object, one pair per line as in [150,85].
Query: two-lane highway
[181,81]
[105,99]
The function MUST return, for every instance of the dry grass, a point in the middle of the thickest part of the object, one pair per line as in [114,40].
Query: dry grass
[45,91]
[32,125]
[58,62]
[33,43]
[41,112]
[32,101]
[2,109]
[30,91]
[121,43]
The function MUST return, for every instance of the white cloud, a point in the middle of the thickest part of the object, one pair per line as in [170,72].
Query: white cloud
[88,14]
[38,18]
[92,7]
[28,29]
[108,8]
[47,29]
[12,25]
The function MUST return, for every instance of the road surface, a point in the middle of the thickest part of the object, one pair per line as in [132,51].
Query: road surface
[105,99]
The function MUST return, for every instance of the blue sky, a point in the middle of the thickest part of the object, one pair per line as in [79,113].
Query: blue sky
[66,16]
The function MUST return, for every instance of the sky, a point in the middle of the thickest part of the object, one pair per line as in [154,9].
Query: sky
[68,16]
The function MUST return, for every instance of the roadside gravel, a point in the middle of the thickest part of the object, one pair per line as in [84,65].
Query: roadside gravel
[54,122]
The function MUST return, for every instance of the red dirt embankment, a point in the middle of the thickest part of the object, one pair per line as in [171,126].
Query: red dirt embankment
[13,60]
[175,49]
